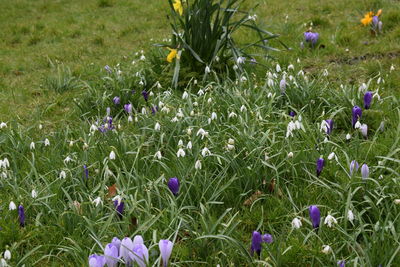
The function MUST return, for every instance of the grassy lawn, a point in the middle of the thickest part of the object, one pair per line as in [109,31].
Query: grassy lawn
[241,164]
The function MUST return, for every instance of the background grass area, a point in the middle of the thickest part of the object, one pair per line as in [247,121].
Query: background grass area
[86,35]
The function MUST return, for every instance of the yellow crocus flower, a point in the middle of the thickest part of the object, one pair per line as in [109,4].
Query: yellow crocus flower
[172,54]
[367,18]
[178,7]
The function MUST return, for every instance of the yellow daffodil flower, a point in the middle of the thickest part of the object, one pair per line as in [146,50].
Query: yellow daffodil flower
[178,7]
[172,54]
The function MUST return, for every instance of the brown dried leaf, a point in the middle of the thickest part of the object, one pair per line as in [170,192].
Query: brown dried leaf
[252,198]
[112,190]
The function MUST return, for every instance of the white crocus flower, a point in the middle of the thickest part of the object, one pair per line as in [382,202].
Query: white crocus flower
[157,127]
[158,155]
[180,153]
[197,165]
[112,155]
[326,249]
[97,201]
[12,206]
[34,194]
[296,223]
[32,146]
[330,221]
[350,215]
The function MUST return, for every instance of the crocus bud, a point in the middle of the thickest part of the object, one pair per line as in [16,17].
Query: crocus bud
[116,100]
[367,99]
[111,255]
[282,86]
[128,108]
[329,126]
[86,171]
[165,250]
[320,165]
[315,216]
[119,207]
[96,260]
[173,185]
[267,238]
[140,254]
[364,171]
[126,249]
[353,166]
[256,241]
[292,113]
[145,95]
[21,215]
[116,242]
[341,263]
[364,130]
[356,115]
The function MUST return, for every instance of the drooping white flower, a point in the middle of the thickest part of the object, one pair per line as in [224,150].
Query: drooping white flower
[207,69]
[5,163]
[197,165]
[117,198]
[350,215]
[296,223]
[71,143]
[240,60]
[174,119]
[158,155]
[330,220]
[278,68]
[243,108]
[290,155]
[112,155]
[200,92]
[67,159]
[332,155]
[157,127]
[326,249]
[180,143]
[130,118]
[3,125]
[213,116]
[205,152]
[348,136]
[97,201]
[7,255]
[46,142]
[232,115]
[34,194]
[93,128]
[185,95]
[189,145]
[3,263]
[32,146]
[180,153]
[357,125]
[189,131]
[12,206]
[202,132]
[397,201]
[290,67]
[62,175]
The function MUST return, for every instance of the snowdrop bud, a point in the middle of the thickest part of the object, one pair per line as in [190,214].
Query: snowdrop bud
[189,131]
[326,249]
[332,155]
[180,153]
[32,146]
[112,155]
[130,119]
[157,127]
[278,68]
[71,143]
[34,193]
[213,116]
[197,165]
[296,223]
[12,206]
[158,155]
[350,216]
[348,136]
[207,69]
[290,155]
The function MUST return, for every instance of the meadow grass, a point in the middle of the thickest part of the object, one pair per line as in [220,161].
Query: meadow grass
[54,86]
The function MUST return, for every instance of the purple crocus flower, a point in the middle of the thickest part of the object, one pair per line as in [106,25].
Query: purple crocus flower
[140,254]
[375,21]
[356,115]
[253,61]
[119,207]
[282,86]
[126,250]
[21,215]
[173,185]
[108,111]
[116,242]
[108,69]
[353,166]
[320,165]
[292,113]
[111,254]
[145,95]
[96,260]
[256,241]
[341,263]
[364,171]
[86,171]
[116,100]
[311,37]
[367,99]
[165,250]
[128,108]
[267,238]
[154,109]
[315,216]
[329,125]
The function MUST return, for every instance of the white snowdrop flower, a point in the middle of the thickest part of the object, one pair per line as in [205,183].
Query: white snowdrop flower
[278,68]
[243,79]
[298,125]
[326,249]
[269,95]
[270,82]
[326,140]
[144,111]
[300,73]
[130,119]
[330,221]
[200,92]
[209,120]
[151,94]
[93,128]
[216,59]
[141,83]
[3,125]
[266,157]
[185,95]
[34,193]
[3,175]
[142,58]
[7,255]
[189,131]
[112,155]
[85,146]
[5,163]
[348,136]
[165,109]
[3,263]
[202,132]
[291,78]
[189,145]
[350,215]
[213,116]
[62,175]
[12,206]
[180,143]
[67,159]
[296,223]
[197,165]
[298,60]
[392,68]
[380,177]
[290,155]
[357,125]
[157,127]
[397,201]
[243,108]
[97,201]
[324,126]
[71,143]
[240,60]
[364,129]
[46,142]
[117,198]
[32,146]
[290,67]
[332,155]
[195,104]
[230,147]
[207,69]
[325,73]
[252,17]
[377,96]
[379,80]
[158,155]
[174,119]
[180,153]
[232,115]
[160,104]
[158,85]
[231,141]
[205,152]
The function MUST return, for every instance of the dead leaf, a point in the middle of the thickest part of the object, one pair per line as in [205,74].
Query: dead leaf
[252,198]
[112,190]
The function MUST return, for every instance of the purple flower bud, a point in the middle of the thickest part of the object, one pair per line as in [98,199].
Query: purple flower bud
[116,242]
[353,166]
[173,185]
[96,260]
[21,215]
[145,95]
[292,113]
[282,86]
[116,100]
[256,241]
[253,61]
[375,21]
[320,165]
[108,69]
[315,216]
[356,114]
[267,238]
[128,108]
[367,99]
[165,250]
[329,125]
[108,111]
[111,254]
[86,171]
[119,207]
[364,171]
[126,250]
[154,109]
[311,37]
[341,263]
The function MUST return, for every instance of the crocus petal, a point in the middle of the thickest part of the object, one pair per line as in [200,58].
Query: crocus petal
[165,250]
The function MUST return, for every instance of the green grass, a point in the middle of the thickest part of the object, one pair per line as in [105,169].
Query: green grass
[52,74]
